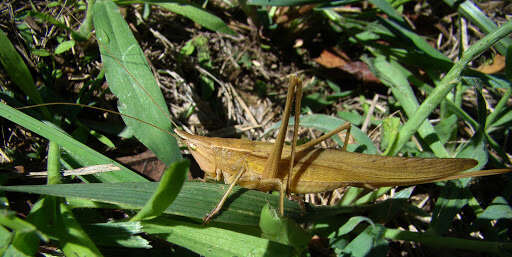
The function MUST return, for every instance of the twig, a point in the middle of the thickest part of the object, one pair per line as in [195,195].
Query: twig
[81,171]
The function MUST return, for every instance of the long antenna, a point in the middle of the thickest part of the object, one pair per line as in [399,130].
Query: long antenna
[139,85]
[101,109]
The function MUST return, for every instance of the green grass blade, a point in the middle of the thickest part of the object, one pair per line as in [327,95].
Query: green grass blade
[390,127]
[61,222]
[213,241]
[45,17]
[195,200]
[86,26]
[449,203]
[23,244]
[73,239]
[462,114]
[370,242]
[351,225]
[130,78]
[498,209]
[470,11]
[418,41]
[351,194]
[392,75]
[168,188]
[53,165]
[198,15]
[500,248]
[372,196]
[117,234]
[82,153]
[386,7]
[504,119]
[25,239]
[454,194]
[6,237]
[283,2]
[18,72]
[8,219]
[446,84]
[54,218]
[283,230]
[489,122]
[16,69]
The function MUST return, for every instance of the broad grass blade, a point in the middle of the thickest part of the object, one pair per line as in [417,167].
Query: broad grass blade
[130,78]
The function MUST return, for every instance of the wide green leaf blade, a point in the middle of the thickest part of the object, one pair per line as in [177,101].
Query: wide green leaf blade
[117,234]
[130,78]
[195,200]
[370,242]
[213,241]
[283,229]
[498,209]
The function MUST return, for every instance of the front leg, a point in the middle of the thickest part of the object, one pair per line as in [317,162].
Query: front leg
[215,211]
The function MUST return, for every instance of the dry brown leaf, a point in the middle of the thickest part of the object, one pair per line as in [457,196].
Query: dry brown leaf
[496,66]
[340,60]
[330,60]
